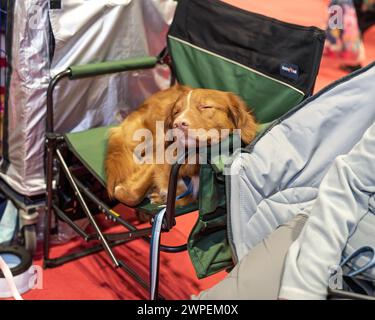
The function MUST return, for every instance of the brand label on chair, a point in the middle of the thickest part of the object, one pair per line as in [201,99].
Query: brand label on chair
[289,70]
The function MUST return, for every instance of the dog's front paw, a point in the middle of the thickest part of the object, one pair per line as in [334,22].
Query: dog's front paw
[127,197]
[158,197]
[120,193]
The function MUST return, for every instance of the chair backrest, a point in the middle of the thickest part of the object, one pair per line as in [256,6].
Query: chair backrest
[271,64]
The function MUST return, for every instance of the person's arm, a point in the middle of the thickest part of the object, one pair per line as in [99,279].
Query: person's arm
[342,201]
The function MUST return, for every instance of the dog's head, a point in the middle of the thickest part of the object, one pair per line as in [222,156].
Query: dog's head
[202,115]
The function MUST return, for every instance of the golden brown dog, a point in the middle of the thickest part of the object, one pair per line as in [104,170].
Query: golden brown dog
[190,113]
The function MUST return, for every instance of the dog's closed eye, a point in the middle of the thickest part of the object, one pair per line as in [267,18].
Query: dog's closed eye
[204,107]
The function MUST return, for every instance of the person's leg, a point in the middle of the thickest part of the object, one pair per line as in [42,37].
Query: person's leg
[345,42]
[258,275]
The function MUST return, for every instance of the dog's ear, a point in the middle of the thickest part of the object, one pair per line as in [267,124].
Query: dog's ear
[242,118]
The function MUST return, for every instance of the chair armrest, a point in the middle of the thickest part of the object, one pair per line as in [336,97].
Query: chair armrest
[102,68]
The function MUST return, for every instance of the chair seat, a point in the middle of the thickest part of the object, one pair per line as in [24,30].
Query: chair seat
[90,148]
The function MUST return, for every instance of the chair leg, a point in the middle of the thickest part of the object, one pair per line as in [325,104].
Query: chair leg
[86,210]
[50,147]
[155,254]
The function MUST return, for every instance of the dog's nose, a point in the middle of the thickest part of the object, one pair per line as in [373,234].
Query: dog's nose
[180,124]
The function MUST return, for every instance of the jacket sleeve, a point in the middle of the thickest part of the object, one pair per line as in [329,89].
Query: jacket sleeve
[343,199]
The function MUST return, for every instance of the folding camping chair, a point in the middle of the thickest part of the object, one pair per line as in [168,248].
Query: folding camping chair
[272,65]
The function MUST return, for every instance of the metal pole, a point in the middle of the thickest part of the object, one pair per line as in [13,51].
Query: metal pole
[51,87]
[50,150]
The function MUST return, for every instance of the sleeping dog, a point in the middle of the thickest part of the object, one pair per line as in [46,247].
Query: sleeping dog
[189,114]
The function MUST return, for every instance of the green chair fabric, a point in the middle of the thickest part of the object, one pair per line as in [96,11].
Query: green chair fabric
[90,147]
[268,97]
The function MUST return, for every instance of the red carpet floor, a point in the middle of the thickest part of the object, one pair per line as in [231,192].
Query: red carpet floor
[94,278]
